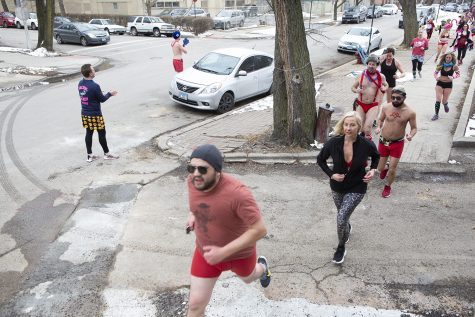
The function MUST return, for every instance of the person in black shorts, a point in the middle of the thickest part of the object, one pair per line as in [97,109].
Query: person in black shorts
[389,67]
[445,73]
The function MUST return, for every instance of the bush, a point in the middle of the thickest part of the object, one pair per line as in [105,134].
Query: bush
[202,24]
[196,25]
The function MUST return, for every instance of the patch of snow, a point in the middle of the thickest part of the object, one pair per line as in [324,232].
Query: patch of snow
[40,289]
[470,130]
[40,52]
[452,162]
[258,105]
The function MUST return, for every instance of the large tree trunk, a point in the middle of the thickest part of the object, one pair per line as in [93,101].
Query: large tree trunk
[4,5]
[411,25]
[148,5]
[45,14]
[62,9]
[336,5]
[294,85]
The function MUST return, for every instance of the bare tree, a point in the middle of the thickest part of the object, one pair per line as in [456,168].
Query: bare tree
[61,7]
[45,14]
[293,82]
[4,5]
[148,6]
[411,25]
[336,5]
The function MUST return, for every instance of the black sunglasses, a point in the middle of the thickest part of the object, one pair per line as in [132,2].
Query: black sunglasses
[396,98]
[201,169]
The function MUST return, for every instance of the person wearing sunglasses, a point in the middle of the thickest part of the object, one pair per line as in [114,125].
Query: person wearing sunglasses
[392,125]
[227,223]
[348,177]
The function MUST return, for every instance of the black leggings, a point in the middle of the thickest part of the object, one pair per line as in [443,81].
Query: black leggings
[461,53]
[345,204]
[102,140]
[416,64]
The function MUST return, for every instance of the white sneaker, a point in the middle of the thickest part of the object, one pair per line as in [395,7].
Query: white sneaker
[109,156]
[91,157]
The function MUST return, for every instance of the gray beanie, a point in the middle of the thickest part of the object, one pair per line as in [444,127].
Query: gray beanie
[372,58]
[210,154]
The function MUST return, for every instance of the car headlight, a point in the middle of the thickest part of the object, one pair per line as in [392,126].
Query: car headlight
[91,35]
[210,89]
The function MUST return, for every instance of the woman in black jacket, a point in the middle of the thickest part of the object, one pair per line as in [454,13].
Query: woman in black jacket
[348,178]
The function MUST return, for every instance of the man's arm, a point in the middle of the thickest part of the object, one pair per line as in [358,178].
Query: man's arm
[356,86]
[384,83]
[413,125]
[400,69]
[214,254]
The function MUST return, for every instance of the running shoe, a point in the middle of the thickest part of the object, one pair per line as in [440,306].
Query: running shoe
[446,107]
[435,117]
[386,191]
[91,157]
[265,278]
[339,255]
[349,232]
[383,173]
[109,156]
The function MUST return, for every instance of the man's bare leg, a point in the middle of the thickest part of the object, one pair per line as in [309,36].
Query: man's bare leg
[362,114]
[371,115]
[201,290]
[392,170]
[256,274]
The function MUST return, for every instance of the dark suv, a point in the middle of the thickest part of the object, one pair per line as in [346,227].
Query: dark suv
[354,14]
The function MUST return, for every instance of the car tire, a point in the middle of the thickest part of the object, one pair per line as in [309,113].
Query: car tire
[18,25]
[33,26]
[228,25]
[107,30]
[156,32]
[121,33]
[59,39]
[5,24]
[241,24]
[133,31]
[358,20]
[83,41]
[226,103]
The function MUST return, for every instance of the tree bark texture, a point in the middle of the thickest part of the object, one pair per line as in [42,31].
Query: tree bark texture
[294,100]
[337,4]
[411,25]
[4,5]
[148,5]
[45,14]
[62,9]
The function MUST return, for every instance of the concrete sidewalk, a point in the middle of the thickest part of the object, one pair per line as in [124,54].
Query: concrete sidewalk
[432,144]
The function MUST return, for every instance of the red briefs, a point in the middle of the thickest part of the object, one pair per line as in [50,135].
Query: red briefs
[178,65]
[366,106]
[390,148]
[242,267]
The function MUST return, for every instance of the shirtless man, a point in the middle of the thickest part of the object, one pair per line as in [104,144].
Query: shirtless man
[370,86]
[392,125]
[177,49]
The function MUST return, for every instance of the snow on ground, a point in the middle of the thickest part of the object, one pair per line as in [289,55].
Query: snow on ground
[470,131]
[40,52]
[28,70]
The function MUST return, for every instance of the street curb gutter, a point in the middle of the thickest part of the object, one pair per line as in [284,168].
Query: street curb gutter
[459,139]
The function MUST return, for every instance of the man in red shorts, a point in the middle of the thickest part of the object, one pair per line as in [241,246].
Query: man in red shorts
[392,124]
[227,223]
[178,49]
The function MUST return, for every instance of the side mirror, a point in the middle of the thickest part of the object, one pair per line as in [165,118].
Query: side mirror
[241,73]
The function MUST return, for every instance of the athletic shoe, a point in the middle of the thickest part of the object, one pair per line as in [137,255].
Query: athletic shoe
[383,173]
[109,156]
[339,255]
[446,107]
[386,191]
[435,117]
[265,278]
[349,232]
[91,157]
[420,75]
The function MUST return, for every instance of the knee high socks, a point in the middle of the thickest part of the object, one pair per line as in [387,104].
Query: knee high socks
[437,107]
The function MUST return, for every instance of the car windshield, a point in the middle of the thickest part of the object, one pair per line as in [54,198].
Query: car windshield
[107,21]
[224,14]
[178,11]
[358,32]
[351,9]
[9,15]
[85,27]
[32,15]
[216,63]
[156,20]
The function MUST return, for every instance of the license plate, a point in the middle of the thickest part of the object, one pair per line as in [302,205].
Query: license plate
[103,40]
[183,95]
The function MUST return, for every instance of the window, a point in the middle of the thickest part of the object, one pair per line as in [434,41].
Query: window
[248,65]
[262,61]
[95,22]
[146,20]
[139,20]
[115,5]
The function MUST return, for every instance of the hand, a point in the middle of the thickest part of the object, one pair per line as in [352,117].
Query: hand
[369,176]
[338,177]
[377,130]
[213,254]
[113,93]
[395,76]
[358,90]
[409,137]
[190,223]
[383,89]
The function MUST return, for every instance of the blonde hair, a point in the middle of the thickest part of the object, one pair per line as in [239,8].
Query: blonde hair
[442,60]
[338,129]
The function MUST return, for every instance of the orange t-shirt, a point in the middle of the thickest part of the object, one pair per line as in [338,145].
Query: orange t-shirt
[223,214]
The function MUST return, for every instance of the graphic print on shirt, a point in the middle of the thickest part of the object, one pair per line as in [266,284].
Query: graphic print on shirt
[83,95]
[203,217]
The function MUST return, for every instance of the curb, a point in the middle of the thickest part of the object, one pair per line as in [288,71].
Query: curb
[459,139]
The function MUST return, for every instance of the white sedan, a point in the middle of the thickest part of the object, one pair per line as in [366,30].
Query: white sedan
[390,8]
[31,22]
[360,36]
[108,26]
[222,77]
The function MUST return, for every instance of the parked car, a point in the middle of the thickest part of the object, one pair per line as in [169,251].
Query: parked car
[149,25]
[108,26]
[464,7]
[390,8]
[378,12]
[250,10]
[198,12]
[222,77]
[451,7]
[226,19]
[178,12]
[423,14]
[57,21]
[359,36]
[82,33]
[354,14]
[31,22]
[7,19]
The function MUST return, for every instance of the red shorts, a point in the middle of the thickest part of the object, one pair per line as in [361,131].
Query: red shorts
[394,149]
[178,65]
[242,267]
[366,106]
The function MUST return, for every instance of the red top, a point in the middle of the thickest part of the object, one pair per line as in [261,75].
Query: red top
[223,214]
[419,46]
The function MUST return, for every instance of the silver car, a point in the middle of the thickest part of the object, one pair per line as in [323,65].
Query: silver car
[222,77]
